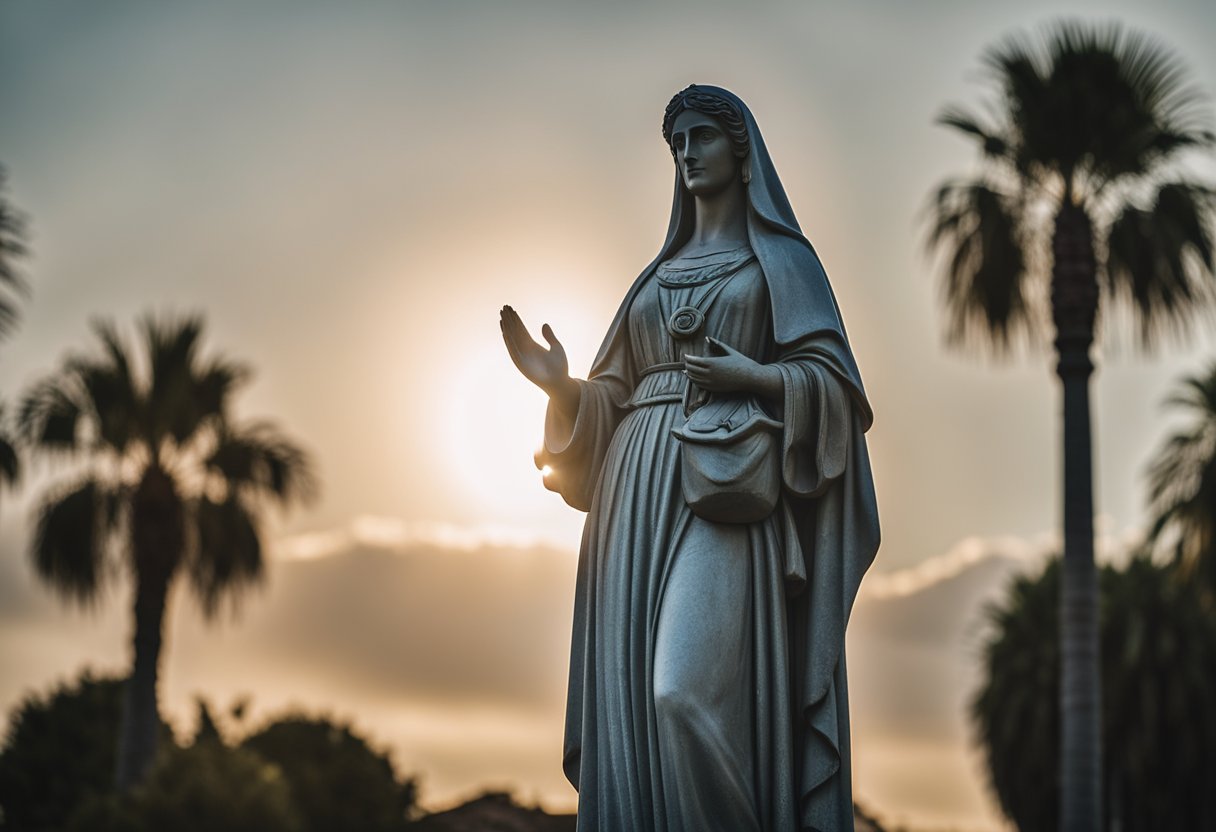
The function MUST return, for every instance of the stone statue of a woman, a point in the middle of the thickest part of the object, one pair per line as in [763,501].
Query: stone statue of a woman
[718,447]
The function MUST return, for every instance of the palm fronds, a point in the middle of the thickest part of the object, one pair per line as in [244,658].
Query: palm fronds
[1160,259]
[1182,482]
[1089,116]
[979,229]
[12,248]
[71,539]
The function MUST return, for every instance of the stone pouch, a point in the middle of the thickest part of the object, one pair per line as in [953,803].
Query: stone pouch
[729,460]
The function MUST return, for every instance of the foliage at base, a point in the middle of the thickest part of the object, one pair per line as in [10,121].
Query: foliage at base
[59,752]
[203,788]
[295,774]
[337,780]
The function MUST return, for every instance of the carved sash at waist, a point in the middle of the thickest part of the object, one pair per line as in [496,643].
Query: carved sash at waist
[659,384]
[662,368]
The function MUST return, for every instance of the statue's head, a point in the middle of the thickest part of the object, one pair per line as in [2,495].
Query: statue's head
[719,107]
[708,138]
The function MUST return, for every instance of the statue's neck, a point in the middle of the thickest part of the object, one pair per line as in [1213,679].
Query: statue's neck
[721,221]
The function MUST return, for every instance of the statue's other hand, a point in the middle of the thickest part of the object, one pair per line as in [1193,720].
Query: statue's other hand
[549,368]
[731,372]
[720,374]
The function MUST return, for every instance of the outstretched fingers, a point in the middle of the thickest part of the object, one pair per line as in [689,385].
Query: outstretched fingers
[509,318]
[509,341]
[513,329]
[514,334]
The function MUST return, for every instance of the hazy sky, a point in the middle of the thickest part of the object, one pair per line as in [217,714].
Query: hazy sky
[349,191]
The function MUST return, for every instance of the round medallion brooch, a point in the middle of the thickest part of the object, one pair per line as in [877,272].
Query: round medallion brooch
[685,322]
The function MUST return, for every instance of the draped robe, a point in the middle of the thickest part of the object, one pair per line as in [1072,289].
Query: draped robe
[752,754]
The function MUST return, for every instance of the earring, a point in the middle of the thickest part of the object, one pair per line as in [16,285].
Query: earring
[746,169]
[747,176]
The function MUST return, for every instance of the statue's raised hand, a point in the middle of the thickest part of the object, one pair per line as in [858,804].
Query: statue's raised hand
[548,368]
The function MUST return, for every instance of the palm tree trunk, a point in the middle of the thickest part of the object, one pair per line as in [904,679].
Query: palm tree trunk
[1074,308]
[157,544]
[140,727]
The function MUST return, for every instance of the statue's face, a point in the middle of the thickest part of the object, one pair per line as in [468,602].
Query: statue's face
[703,153]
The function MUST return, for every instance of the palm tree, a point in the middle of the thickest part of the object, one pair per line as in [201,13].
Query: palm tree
[165,483]
[1182,483]
[1077,185]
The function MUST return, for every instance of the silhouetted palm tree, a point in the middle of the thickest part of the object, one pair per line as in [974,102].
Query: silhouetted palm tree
[1158,648]
[12,248]
[165,482]
[1075,186]
[1183,482]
